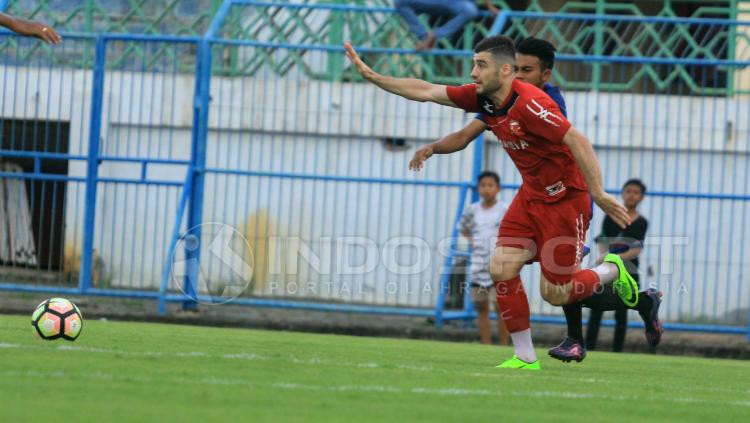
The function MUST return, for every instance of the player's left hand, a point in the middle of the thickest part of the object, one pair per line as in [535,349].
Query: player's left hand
[38,30]
[614,209]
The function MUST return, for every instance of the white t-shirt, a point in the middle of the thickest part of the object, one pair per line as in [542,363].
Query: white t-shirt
[482,223]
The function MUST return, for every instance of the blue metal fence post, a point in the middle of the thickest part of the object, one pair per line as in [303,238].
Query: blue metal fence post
[92,164]
[499,24]
[448,264]
[198,165]
[477,168]
[198,149]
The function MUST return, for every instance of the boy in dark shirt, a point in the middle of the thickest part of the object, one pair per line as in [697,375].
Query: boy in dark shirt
[628,243]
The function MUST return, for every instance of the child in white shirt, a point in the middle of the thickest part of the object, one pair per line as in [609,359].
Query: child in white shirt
[479,224]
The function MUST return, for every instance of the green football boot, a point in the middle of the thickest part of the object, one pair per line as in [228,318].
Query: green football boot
[517,363]
[625,286]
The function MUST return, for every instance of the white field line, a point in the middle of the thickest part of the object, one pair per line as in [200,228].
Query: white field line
[432,391]
[368,365]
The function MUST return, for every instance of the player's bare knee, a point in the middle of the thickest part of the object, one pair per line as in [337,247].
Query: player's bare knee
[502,268]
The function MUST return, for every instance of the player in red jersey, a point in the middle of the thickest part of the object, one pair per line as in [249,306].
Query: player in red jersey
[30,29]
[549,216]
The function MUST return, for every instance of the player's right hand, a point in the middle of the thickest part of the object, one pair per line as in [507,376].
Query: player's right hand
[39,30]
[420,156]
[358,63]
[613,208]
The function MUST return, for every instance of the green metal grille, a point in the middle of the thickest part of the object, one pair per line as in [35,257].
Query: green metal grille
[330,27]
[173,17]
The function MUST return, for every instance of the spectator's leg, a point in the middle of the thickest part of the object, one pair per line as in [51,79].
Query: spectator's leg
[592,332]
[409,11]
[480,295]
[461,12]
[621,327]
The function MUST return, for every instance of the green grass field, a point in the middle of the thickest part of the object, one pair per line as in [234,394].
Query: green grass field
[135,372]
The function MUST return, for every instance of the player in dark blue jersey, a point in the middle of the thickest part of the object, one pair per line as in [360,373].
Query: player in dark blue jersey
[30,29]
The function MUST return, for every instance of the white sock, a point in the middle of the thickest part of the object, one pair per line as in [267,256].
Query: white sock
[523,345]
[607,272]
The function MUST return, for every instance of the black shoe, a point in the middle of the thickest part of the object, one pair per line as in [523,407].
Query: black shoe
[569,350]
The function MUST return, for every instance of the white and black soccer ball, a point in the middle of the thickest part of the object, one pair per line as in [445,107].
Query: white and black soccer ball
[57,318]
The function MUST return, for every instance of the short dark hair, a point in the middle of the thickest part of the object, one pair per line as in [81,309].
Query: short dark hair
[489,174]
[541,49]
[500,46]
[636,182]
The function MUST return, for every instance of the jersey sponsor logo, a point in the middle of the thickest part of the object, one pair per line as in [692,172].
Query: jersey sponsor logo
[514,145]
[555,188]
[515,128]
[544,114]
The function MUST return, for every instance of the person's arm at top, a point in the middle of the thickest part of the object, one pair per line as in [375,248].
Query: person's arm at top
[410,88]
[585,158]
[451,143]
[491,7]
[30,29]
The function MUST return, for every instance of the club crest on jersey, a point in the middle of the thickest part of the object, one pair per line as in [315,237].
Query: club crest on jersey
[515,128]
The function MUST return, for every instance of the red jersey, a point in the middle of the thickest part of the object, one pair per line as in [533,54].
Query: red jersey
[531,128]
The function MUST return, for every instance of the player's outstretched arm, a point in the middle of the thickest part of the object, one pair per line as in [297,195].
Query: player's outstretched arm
[451,143]
[584,155]
[30,29]
[413,89]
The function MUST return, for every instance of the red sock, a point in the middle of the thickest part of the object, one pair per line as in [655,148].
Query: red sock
[585,283]
[513,305]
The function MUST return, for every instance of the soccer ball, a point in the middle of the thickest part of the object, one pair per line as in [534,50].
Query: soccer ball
[57,318]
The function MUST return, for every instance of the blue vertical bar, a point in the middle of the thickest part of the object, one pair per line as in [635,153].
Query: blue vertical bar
[198,163]
[447,268]
[92,166]
[478,166]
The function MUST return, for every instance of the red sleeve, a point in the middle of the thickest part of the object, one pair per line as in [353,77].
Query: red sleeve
[464,96]
[542,117]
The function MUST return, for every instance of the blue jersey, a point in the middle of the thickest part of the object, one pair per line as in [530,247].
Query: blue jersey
[554,93]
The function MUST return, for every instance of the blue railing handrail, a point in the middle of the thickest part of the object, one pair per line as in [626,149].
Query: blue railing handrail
[46,155]
[518,14]
[111,36]
[624,18]
[467,53]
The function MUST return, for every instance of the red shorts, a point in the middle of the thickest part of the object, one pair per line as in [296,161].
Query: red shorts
[555,232]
